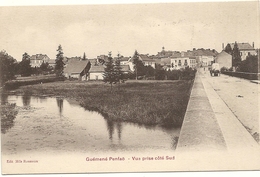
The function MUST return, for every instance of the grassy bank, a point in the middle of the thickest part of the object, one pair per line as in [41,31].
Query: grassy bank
[21,81]
[148,102]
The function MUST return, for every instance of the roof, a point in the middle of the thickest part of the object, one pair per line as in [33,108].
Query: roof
[165,61]
[124,59]
[125,68]
[97,69]
[76,66]
[223,53]
[38,57]
[52,61]
[92,61]
[242,46]
[146,58]
[203,52]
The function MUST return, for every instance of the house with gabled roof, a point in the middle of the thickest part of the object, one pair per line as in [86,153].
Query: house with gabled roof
[245,49]
[204,56]
[96,72]
[147,61]
[185,59]
[38,59]
[77,69]
[224,60]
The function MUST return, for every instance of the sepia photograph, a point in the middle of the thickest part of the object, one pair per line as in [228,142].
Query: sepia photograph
[118,87]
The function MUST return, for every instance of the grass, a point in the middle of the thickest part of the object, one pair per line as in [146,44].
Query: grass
[148,102]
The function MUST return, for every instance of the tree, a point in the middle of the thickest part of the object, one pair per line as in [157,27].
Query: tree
[118,70]
[59,66]
[135,62]
[236,58]
[228,49]
[84,56]
[25,68]
[45,67]
[7,67]
[140,69]
[249,65]
[109,73]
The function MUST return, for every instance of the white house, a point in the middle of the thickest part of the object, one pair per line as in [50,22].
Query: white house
[96,72]
[224,60]
[38,59]
[245,49]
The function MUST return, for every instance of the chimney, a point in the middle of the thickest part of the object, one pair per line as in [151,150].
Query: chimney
[253,44]
[222,46]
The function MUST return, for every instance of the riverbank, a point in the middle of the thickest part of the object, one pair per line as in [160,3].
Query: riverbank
[148,102]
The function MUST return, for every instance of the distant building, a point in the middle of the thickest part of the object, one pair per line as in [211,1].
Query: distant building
[96,72]
[245,49]
[205,57]
[182,60]
[38,59]
[224,60]
[77,69]
[147,61]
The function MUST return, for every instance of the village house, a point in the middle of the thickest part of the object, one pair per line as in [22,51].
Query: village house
[77,69]
[96,72]
[205,57]
[38,59]
[124,60]
[224,60]
[147,61]
[164,62]
[185,59]
[245,49]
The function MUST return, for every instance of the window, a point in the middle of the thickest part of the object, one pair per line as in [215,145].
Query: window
[179,64]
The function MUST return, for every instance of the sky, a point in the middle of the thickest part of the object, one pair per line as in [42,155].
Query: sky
[124,28]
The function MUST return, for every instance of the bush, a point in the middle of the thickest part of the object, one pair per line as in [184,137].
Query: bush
[223,69]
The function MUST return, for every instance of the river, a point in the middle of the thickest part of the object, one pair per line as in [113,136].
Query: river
[57,125]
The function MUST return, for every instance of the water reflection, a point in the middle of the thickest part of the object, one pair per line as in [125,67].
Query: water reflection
[26,100]
[8,114]
[60,105]
[111,126]
[119,129]
[40,128]
[3,99]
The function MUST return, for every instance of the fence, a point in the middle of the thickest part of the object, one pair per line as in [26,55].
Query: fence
[249,76]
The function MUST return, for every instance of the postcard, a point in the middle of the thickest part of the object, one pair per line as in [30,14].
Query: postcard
[141,87]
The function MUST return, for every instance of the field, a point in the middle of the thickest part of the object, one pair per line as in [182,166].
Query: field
[144,102]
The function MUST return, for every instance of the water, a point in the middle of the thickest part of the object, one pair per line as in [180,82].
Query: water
[62,126]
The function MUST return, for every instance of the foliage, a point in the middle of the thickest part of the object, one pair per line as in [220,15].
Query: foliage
[139,67]
[109,73]
[236,58]
[84,56]
[223,69]
[249,65]
[25,68]
[118,72]
[159,72]
[59,66]
[228,49]
[7,67]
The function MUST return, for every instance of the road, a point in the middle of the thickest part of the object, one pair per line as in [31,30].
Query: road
[239,95]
